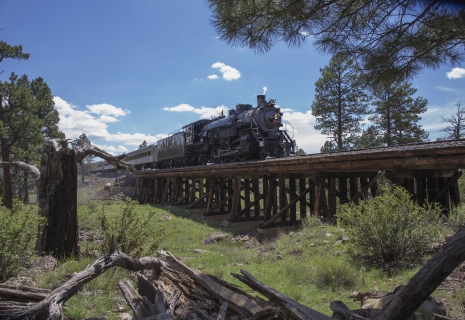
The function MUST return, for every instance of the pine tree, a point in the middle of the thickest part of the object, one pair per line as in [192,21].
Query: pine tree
[27,118]
[396,113]
[456,129]
[388,38]
[340,101]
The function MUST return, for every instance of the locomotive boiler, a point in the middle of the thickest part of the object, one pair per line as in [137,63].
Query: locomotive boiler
[246,133]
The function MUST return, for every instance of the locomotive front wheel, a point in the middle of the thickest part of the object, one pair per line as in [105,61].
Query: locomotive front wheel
[262,154]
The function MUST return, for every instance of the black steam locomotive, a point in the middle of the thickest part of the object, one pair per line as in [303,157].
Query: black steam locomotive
[246,133]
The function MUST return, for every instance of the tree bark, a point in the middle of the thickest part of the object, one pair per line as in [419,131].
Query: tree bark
[7,188]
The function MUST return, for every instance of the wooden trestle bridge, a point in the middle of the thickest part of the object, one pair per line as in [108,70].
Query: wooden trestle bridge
[282,192]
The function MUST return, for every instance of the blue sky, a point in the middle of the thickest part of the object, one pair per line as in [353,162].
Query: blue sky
[128,71]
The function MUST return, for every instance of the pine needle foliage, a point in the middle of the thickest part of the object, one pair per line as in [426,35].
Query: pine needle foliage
[390,227]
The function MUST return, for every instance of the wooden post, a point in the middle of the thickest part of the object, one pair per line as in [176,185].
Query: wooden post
[236,196]
[192,191]
[343,191]
[292,196]
[270,195]
[331,198]
[230,191]
[353,188]
[303,200]
[256,195]
[222,195]
[211,191]
[201,190]
[432,184]
[247,196]
[186,191]
[312,197]
[282,199]
[421,191]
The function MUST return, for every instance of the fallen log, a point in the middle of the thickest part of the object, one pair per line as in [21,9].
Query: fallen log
[22,293]
[53,302]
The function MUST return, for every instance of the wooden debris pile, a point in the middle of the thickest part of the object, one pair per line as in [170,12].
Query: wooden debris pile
[168,289]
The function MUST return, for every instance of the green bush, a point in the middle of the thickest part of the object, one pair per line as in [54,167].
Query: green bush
[334,273]
[390,227]
[130,231]
[18,234]
[457,215]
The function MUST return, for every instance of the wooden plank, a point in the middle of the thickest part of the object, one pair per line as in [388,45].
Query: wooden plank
[448,185]
[198,200]
[366,187]
[222,196]
[319,191]
[293,202]
[255,203]
[220,204]
[432,185]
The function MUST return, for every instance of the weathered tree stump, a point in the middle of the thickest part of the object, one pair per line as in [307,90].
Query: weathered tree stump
[58,200]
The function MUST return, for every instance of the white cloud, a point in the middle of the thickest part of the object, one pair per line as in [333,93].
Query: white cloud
[183,107]
[305,135]
[446,89]
[456,73]
[105,118]
[107,109]
[204,112]
[265,89]
[229,73]
[112,149]
[212,77]
[73,122]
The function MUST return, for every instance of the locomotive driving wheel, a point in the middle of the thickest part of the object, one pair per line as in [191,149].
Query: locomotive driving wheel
[242,157]
[215,155]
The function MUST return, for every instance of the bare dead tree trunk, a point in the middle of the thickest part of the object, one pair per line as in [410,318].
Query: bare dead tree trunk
[58,201]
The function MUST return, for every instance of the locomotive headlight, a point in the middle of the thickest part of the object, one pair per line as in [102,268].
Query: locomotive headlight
[277,118]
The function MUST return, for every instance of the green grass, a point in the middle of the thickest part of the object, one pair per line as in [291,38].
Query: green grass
[309,265]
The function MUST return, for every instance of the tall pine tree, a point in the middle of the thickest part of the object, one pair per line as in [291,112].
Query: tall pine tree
[396,113]
[340,101]
[27,117]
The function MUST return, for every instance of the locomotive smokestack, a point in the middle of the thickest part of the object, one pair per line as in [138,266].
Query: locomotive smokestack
[261,101]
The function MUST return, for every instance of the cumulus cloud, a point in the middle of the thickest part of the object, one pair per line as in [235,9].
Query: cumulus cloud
[456,73]
[107,109]
[229,73]
[265,89]
[204,112]
[94,123]
[305,135]
[212,77]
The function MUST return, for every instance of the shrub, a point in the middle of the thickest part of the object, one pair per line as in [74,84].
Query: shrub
[390,227]
[457,215]
[334,273]
[131,231]
[18,234]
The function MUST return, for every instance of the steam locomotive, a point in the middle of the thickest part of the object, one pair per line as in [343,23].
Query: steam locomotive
[246,133]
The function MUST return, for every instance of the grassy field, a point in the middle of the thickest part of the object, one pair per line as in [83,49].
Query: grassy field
[310,265]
